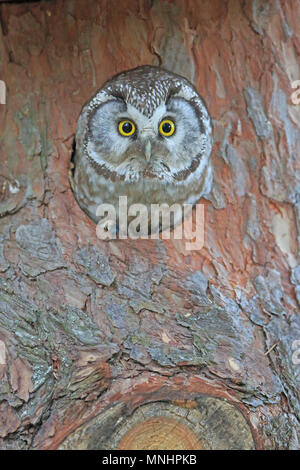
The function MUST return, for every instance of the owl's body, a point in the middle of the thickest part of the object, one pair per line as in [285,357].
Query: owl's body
[146,135]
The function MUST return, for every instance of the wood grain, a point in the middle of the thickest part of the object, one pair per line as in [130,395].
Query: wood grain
[158,322]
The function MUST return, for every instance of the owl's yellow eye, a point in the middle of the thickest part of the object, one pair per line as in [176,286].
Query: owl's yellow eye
[126,128]
[167,127]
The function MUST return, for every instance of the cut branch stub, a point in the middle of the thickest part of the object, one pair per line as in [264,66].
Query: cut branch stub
[211,423]
[160,433]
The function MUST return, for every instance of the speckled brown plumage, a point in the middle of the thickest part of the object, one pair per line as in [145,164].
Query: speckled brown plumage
[108,165]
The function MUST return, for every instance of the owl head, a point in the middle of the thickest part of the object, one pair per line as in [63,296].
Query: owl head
[145,124]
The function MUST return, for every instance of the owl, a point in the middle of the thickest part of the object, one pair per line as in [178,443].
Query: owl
[147,135]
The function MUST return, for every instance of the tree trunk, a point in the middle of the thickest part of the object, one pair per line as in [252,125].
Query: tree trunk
[143,343]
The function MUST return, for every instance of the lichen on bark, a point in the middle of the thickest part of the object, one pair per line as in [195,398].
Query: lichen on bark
[91,328]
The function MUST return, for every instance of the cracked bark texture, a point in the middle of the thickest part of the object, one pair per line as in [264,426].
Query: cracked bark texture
[88,326]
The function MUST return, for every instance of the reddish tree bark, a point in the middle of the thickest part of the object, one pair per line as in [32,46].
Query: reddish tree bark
[91,331]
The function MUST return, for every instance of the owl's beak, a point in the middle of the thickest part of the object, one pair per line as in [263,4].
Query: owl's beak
[147,150]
